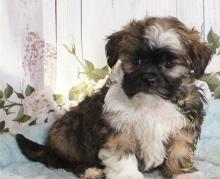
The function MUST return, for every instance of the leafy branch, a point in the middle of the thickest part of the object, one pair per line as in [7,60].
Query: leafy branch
[213,41]
[92,74]
[212,81]
[7,104]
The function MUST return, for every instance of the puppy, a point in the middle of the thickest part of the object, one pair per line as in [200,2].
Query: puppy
[148,115]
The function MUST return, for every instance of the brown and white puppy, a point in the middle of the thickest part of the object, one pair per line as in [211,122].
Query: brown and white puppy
[149,114]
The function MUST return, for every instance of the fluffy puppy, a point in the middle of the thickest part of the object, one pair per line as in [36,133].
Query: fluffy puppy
[149,114]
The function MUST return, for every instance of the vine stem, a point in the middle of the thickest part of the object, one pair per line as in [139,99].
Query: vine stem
[73,52]
[11,105]
[77,58]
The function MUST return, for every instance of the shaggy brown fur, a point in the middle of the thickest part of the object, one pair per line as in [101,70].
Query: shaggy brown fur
[180,153]
[121,144]
[75,139]
[180,149]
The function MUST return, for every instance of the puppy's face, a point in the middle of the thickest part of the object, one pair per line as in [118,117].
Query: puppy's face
[156,55]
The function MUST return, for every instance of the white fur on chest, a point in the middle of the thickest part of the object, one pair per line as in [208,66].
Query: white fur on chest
[149,118]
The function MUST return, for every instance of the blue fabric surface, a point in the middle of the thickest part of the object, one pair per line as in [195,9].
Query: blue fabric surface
[13,165]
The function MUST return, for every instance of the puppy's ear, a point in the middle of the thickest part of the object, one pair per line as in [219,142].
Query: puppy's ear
[200,55]
[112,47]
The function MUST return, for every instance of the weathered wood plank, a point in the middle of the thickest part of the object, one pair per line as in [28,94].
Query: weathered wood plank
[97,23]
[212,15]
[126,10]
[191,13]
[161,8]
[17,18]
[68,32]
[49,36]
[10,44]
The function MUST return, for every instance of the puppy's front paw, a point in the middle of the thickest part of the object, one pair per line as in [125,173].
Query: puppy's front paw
[194,175]
[93,173]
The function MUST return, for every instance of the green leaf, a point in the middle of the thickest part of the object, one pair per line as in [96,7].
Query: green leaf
[213,41]
[89,67]
[82,86]
[8,91]
[74,96]
[217,93]
[75,91]
[21,117]
[34,122]
[1,94]
[5,130]
[90,89]
[19,95]
[58,98]
[29,90]
[212,48]
[106,69]
[2,125]
[98,74]
[212,82]
[2,102]
[212,37]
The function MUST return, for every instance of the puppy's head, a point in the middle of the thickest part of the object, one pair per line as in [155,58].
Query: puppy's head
[156,54]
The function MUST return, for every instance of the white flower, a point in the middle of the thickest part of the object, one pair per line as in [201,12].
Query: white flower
[214,66]
[41,105]
[40,101]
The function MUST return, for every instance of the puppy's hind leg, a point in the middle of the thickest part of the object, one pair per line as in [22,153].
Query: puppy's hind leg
[119,158]
[179,163]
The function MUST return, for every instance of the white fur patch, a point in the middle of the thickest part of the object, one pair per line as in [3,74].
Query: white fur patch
[125,167]
[149,118]
[159,37]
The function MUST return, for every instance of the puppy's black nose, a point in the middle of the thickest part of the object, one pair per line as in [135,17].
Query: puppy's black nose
[149,78]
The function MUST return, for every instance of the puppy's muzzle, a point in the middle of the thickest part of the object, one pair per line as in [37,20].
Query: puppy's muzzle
[149,75]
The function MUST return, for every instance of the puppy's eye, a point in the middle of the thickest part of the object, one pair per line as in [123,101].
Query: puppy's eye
[136,61]
[169,64]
